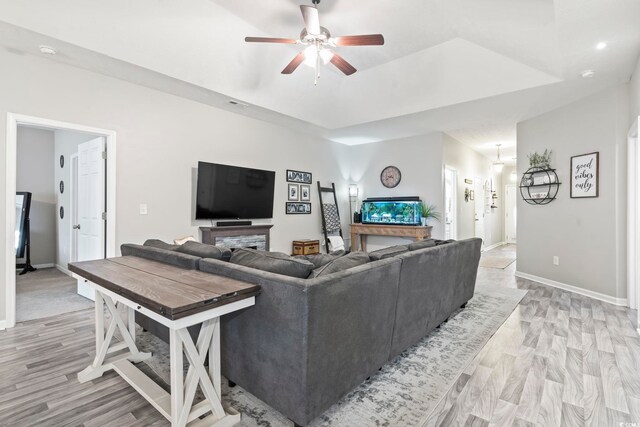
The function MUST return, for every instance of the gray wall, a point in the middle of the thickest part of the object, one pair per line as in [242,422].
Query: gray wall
[34,174]
[420,162]
[160,139]
[587,234]
[470,164]
[66,144]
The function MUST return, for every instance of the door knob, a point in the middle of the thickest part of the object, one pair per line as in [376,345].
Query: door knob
[76,227]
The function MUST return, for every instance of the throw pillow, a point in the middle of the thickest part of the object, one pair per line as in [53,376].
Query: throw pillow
[274,262]
[427,243]
[351,260]
[318,260]
[203,250]
[388,252]
[156,243]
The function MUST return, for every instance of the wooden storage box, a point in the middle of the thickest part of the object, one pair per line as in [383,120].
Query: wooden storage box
[306,247]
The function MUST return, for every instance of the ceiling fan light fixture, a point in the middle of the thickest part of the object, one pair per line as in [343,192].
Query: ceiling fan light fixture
[326,55]
[310,55]
[499,165]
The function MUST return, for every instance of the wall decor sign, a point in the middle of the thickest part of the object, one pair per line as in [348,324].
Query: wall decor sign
[293,192]
[298,208]
[305,193]
[584,175]
[298,176]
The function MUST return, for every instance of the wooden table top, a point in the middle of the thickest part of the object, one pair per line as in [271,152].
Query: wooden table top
[171,291]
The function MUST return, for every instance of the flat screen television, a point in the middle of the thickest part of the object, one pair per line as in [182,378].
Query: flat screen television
[232,192]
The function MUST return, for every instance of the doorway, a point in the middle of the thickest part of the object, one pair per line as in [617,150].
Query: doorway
[479,202]
[450,207]
[108,138]
[510,213]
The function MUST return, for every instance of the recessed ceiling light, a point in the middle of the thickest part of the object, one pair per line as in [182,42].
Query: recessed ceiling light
[587,74]
[47,50]
[601,45]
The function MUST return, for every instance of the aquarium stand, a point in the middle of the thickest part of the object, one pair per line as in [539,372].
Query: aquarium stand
[364,230]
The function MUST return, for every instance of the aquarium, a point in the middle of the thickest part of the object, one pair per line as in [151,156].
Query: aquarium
[392,211]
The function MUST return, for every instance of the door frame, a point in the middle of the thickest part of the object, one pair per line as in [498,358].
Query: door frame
[633,217]
[506,191]
[13,121]
[73,207]
[454,196]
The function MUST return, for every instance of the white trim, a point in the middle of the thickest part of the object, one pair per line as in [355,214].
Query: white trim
[47,265]
[67,272]
[495,245]
[3,325]
[506,190]
[13,121]
[633,216]
[574,289]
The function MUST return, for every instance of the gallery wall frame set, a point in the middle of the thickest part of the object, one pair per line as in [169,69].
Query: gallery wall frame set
[298,192]
[585,179]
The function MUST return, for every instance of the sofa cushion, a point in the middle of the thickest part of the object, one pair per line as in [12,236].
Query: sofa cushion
[388,252]
[444,242]
[421,244]
[157,243]
[203,250]
[161,255]
[351,260]
[318,260]
[274,262]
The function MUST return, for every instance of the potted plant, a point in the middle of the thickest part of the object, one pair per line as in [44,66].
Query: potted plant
[428,211]
[542,161]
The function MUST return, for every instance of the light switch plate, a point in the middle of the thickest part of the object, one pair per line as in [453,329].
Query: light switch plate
[143,209]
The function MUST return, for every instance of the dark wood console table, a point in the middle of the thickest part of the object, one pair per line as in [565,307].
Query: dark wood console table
[363,230]
[237,236]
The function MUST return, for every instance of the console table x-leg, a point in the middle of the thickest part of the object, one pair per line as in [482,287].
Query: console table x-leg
[120,356]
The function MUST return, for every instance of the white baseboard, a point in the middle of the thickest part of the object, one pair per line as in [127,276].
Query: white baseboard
[64,270]
[3,325]
[574,289]
[496,245]
[48,265]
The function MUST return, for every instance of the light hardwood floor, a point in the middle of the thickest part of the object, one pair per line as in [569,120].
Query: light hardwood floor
[560,359]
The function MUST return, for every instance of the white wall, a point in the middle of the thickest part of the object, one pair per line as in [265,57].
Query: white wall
[470,164]
[420,162]
[160,139]
[34,174]
[634,94]
[66,144]
[588,235]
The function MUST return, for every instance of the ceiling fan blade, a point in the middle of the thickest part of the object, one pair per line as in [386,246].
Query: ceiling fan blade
[364,40]
[269,40]
[342,64]
[291,67]
[311,20]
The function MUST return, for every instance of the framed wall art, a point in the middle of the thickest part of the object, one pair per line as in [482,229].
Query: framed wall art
[293,192]
[305,193]
[584,175]
[298,208]
[298,176]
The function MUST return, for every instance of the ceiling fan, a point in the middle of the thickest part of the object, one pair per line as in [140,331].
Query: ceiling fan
[319,44]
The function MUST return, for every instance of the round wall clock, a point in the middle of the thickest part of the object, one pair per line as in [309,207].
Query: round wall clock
[390,176]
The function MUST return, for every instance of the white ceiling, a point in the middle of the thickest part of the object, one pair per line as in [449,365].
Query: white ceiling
[470,68]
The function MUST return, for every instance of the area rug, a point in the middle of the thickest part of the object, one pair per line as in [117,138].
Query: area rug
[406,390]
[500,262]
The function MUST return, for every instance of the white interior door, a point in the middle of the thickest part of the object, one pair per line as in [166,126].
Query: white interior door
[478,199]
[450,186]
[91,203]
[510,214]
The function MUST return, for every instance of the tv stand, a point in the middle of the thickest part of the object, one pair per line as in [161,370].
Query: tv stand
[238,236]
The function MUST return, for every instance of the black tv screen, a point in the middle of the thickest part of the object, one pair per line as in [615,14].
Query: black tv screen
[231,192]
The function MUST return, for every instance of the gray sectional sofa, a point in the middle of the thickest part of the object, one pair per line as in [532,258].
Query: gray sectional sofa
[309,341]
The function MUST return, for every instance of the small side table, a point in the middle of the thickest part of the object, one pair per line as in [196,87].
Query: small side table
[306,247]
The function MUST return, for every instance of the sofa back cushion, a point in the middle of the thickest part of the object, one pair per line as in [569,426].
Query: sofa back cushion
[274,262]
[203,250]
[388,252]
[318,260]
[161,255]
[345,262]
[421,244]
[157,243]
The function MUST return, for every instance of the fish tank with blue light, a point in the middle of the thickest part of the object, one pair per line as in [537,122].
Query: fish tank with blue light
[391,211]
